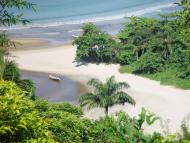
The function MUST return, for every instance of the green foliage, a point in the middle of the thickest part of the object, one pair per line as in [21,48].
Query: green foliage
[147,46]
[7,17]
[66,123]
[165,47]
[69,128]
[133,32]
[24,120]
[8,69]
[125,54]
[94,45]
[169,77]
[8,87]
[106,94]
[124,129]
[66,107]
[11,72]
[149,63]
[5,44]
[19,122]
[28,86]
[2,66]
[127,69]
[183,15]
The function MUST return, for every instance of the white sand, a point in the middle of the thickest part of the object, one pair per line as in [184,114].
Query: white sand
[168,102]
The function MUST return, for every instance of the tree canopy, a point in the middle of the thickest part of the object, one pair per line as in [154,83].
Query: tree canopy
[106,94]
[8,16]
[156,48]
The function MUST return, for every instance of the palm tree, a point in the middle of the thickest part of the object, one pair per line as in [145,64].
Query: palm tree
[106,94]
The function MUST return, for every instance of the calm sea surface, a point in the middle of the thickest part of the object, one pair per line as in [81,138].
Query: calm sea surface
[67,10]
[51,13]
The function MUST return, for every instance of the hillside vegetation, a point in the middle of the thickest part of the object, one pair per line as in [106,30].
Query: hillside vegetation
[155,48]
[26,119]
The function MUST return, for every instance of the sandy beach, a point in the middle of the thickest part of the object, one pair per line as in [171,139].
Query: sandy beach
[168,102]
[25,44]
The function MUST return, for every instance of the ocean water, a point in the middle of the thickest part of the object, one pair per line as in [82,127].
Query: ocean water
[67,10]
[59,20]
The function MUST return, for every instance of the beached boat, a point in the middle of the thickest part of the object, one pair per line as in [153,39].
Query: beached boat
[75,36]
[55,78]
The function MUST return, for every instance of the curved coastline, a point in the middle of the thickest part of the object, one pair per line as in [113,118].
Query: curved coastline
[168,102]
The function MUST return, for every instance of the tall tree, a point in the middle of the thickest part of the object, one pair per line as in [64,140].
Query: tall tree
[183,16]
[106,94]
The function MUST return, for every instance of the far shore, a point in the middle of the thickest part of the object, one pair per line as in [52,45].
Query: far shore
[166,101]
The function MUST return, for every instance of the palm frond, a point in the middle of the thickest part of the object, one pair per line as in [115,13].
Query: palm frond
[122,85]
[95,83]
[122,98]
[90,100]
[113,86]
[106,94]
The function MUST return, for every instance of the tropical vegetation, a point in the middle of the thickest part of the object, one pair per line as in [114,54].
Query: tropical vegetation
[106,94]
[155,48]
[27,119]
[8,68]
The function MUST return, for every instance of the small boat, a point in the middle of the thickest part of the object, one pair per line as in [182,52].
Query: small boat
[75,36]
[55,78]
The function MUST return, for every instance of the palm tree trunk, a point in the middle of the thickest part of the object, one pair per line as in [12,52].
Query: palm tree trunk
[106,110]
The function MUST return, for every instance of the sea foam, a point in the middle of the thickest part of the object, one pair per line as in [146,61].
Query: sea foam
[93,19]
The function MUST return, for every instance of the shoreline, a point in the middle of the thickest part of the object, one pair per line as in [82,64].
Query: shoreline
[59,32]
[166,101]
[24,44]
[119,15]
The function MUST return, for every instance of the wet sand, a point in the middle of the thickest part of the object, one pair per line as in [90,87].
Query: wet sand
[67,90]
[27,44]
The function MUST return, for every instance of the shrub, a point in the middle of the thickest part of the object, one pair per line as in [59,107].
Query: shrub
[149,63]
[19,121]
[11,72]
[28,86]
[66,107]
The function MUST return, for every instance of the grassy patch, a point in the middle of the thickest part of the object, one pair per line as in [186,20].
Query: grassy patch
[167,77]
[126,69]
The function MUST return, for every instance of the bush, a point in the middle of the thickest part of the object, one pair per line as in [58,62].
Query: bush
[94,45]
[125,54]
[19,121]
[150,63]
[28,86]
[11,72]
[66,107]
[8,87]
[124,129]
